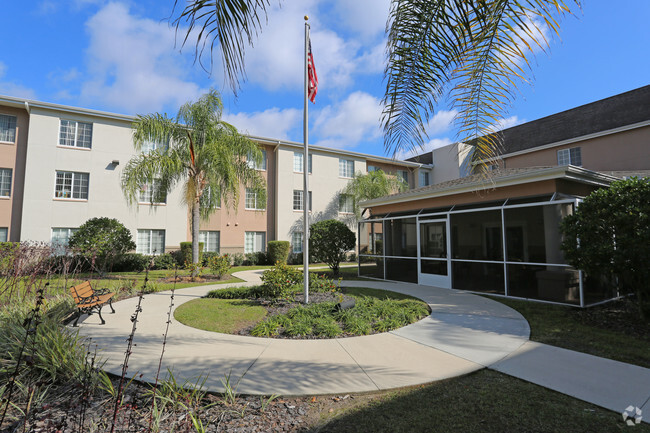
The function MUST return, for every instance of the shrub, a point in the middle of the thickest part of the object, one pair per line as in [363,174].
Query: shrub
[164,261]
[185,254]
[278,251]
[207,256]
[194,269]
[329,242]
[219,265]
[236,293]
[131,262]
[237,259]
[320,283]
[279,281]
[256,258]
[295,259]
[102,240]
[352,257]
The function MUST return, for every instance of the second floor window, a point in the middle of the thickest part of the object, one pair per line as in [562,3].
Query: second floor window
[298,158]
[569,157]
[150,193]
[346,168]
[262,164]
[424,178]
[75,134]
[404,174]
[298,202]
[70,184]
[150,146]
[253,200]
[5,182]
[7,128]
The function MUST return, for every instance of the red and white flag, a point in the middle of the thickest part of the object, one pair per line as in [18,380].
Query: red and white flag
[312,87]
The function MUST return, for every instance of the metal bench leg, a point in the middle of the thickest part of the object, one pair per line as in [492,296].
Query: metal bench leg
[110,303]
[77,318]
[99,311]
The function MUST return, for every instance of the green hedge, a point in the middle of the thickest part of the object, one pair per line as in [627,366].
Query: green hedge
[278,252]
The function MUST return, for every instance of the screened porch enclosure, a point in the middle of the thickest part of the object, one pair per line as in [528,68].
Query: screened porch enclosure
[507,248]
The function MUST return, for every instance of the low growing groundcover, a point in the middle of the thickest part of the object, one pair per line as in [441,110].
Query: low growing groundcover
[240,311]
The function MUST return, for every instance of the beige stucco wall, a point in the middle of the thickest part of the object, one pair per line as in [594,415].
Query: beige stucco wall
[111,140]
[450,162]
[624,151]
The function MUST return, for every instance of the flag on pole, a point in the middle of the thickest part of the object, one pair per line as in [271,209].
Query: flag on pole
[313,78]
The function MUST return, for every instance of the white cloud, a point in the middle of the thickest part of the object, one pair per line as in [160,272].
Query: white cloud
[508,122]
[441,122]
[366,18]
[133,63]
[14,89]
[434,143]
[350,122]
[271,123]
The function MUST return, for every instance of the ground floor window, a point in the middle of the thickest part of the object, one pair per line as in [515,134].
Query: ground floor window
[255,242]
[150,242]
[296,242]
[61,237]
[4,234]
[210,241]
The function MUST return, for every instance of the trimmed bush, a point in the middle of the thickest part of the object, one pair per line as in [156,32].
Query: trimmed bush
[102,240]
[278,251]
[329,242]
[236,293]
[131,262]
[295,259]
[279,282]
[185,254]
[164,261]
[257,258]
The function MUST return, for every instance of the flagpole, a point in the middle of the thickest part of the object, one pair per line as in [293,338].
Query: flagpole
[305,171]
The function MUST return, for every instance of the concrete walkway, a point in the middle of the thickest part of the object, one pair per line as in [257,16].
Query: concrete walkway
[464,333]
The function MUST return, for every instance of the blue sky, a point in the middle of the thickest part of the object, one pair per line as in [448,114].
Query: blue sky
[122,56]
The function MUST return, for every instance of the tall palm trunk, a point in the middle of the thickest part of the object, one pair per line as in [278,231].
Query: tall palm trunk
[195,236]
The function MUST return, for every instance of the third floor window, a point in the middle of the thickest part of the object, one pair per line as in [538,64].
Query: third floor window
[75,134]
[7,128]
[346,168]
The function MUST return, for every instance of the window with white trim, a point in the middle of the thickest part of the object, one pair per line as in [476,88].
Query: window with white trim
[210,241]
[570,156]
[257,166]
[346,167]
[346,203]
[149,193]
[150,146]
[404,174]
[4,234]
[296,242]
[5,182]
[75,134]
[61,238]
[7,128]
[254,242]
[150,242]
[298,203]
[253,201]
[373,168]
[71,184]
[298,158]
[424,178]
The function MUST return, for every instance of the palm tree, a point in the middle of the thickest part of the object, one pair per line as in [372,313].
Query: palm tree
[196,148]
[476,51]
[374,184]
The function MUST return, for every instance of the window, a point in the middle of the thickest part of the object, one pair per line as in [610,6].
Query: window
[254,242]
[253,200]
[424,178]
[346,168]
[7,128]
[297,162]
[4,234]
[296,242]
[569,156]
[297,200]
[150,146]
[149,193]
[404,174]
[346,203]
[252,164]
[373,168]
[61,237]
[210,241]
[71,184]
[5,182]
[150,242]
[75,134]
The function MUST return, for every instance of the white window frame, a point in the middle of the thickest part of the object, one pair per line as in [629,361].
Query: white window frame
[72,127]
[296,242]
[570,156]
[298,202]
[250,240]
[252,199]
[148,192]
[346,168]
[61,242]
[298,166]
[404,175]
[209,238]
[252,164]
[150,247]
[5,182]
[149,146]
[8,127]
[70,195]
[424,179]
[4,234]
[346,204]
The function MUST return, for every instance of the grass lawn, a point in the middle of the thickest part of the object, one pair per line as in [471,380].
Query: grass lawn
[569,327]
[219,315]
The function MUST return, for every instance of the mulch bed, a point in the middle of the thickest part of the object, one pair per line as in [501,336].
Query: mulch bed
[618,316]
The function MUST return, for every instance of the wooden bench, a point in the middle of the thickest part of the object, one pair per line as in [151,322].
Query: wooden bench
[89,300]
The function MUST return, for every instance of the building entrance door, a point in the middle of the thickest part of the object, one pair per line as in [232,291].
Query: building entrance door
[434,267]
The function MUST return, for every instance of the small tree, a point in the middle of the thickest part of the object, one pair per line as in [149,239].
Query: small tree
[374,184]
[609,237]
[101,241]
[329,241]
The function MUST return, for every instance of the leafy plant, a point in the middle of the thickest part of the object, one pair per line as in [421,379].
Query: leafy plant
[329,242]
[278,251]
[194,269]
[101,240]
[279,281]
[235,293]
[320,283]
[238,259]
[164,261]
[219,265]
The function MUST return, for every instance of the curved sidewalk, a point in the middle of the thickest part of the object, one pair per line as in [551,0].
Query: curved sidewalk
[464,333]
